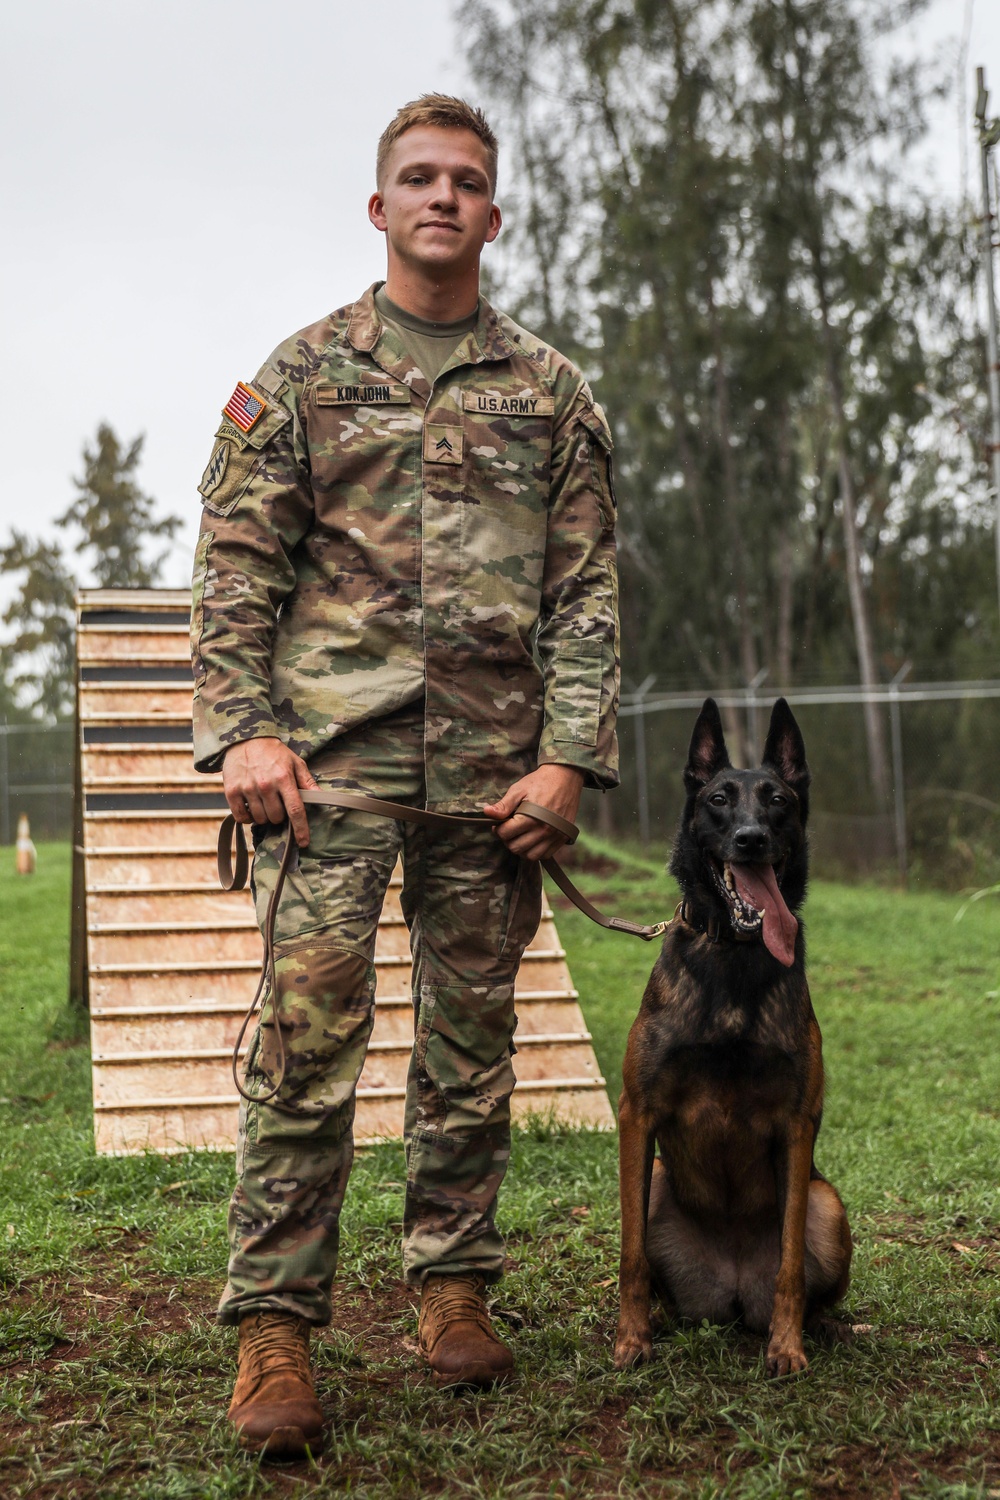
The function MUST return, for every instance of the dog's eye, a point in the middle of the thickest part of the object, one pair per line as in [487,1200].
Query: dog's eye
[718,799]
[778,800]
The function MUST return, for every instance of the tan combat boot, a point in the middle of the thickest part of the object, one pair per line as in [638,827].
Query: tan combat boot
[455,1334]
[274,1407]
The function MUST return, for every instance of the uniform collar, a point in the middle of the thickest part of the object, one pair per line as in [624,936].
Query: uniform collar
[487,341]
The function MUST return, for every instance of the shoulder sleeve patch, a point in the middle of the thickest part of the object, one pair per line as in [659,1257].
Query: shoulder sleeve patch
[216,470]
[244,407]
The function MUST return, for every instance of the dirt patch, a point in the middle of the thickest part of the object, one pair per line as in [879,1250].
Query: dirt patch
[586,861]
[368,1368]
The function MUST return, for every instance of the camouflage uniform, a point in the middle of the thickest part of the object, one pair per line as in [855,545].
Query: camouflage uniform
[414,587]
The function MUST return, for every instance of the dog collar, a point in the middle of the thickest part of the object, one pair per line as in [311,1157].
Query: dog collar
[713,928]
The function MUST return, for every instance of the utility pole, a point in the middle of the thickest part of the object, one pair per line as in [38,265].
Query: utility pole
[898,781]
[641,767]
[753,725]
[989,135]
[4,784]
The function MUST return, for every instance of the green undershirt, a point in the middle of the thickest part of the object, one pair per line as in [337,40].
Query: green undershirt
[429,345]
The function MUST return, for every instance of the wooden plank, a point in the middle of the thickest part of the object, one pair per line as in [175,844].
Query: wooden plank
[133,1081]
[126,764]
[146,643]
[154,701]
[163,987]
[173,961]
[174,1129]
[200,1030]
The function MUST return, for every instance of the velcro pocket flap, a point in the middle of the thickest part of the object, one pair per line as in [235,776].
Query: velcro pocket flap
[573,698]
[596,423]
[361,393]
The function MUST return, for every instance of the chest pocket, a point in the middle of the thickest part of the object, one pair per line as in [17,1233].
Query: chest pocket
[508,443]
[350,418]
[368,392]
[236,459]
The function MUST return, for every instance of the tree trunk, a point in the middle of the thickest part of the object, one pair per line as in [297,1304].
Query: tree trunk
[878,759]
[783,634]
[747,645]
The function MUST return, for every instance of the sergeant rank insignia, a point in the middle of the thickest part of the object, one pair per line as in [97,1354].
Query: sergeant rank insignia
[244,407]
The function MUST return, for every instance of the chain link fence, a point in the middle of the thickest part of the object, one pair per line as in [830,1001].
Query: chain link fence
[36,778]
[943,827]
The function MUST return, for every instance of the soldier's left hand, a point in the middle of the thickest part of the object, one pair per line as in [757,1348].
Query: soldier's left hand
[551,786]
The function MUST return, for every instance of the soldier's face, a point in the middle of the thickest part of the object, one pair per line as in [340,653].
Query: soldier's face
[436,205]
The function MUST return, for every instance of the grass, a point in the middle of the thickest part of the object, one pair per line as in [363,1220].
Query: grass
[115,1378]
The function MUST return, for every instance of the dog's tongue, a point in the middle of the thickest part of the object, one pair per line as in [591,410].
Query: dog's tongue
[758,888]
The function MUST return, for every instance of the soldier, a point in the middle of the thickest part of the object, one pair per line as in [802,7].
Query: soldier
[404,585]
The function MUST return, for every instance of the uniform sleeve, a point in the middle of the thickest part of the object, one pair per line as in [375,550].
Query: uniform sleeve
[257,506]
[577,638]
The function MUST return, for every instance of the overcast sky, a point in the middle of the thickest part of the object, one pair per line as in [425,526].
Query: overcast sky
[184,185]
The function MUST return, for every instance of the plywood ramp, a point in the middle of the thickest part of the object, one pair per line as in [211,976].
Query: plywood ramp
[169,962]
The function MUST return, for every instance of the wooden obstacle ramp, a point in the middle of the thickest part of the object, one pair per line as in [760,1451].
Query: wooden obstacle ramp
[168,962]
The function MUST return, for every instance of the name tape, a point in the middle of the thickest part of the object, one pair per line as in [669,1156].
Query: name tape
[368,393]
[490,403]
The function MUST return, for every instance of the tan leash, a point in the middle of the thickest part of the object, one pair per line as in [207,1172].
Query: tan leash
[233,875]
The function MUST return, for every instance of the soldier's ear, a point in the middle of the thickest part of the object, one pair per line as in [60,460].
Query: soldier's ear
[376,212]
[707,755]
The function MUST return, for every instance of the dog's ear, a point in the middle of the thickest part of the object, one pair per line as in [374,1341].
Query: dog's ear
[707,755]
[785,751]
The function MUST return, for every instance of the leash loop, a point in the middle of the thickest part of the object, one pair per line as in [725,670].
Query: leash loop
[233,877]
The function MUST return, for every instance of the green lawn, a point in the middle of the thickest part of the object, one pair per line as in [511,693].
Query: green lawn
[115,1378]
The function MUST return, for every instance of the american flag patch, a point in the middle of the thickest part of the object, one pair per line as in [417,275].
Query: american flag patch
[244,407]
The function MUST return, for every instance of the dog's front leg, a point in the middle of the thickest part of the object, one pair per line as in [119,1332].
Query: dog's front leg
[635,1154]
[785,1354]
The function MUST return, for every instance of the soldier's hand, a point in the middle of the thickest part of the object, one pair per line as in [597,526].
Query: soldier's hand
[554,787]
[262,780]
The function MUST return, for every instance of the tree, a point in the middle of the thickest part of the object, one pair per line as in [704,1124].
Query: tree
[115,519]
[39,660]
[711,223]
[116,516]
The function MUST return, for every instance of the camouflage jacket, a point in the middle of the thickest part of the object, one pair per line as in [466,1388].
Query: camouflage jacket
[368,539]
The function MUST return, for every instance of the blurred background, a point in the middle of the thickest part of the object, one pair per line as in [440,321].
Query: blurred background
[756,224]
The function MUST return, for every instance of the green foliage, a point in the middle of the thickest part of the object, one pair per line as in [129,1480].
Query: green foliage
[115,516]
[710,213]
[115,520]
[39,659]
[116,1379]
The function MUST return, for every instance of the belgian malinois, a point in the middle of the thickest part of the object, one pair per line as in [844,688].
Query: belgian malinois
[724,1072]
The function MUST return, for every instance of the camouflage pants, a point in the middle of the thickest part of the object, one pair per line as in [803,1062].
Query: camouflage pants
[471,908]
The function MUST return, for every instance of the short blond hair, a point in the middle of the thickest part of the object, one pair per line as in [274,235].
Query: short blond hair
[448,113]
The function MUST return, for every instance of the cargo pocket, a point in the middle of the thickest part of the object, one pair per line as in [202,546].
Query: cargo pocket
[523,911]
[573,702]
[464,1044]
[325,1009]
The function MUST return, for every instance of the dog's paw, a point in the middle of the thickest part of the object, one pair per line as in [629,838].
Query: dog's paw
[827,1330]
[633,1349]
[786,1360]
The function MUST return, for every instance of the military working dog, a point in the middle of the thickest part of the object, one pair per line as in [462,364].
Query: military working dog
[724,1072]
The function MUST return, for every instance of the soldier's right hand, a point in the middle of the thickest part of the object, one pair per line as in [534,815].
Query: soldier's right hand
[262,780]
